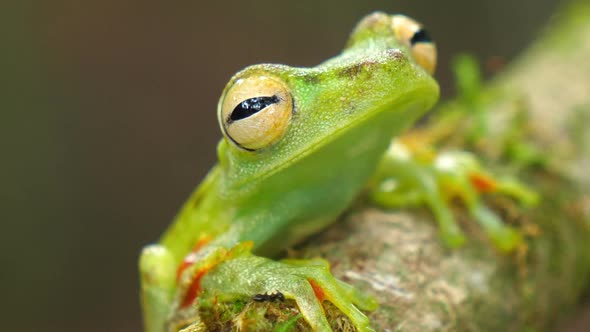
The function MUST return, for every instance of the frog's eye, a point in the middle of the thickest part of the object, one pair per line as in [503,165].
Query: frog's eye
[414,36]
[256,111]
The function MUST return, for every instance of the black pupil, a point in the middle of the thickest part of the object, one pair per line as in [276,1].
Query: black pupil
[252,106]
[421,36]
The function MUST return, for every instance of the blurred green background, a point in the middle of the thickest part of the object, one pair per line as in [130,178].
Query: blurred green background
[109,122]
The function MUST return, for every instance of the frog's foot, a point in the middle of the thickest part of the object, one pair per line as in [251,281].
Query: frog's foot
[308,282]
[348,292]
[463,177]
[404,179]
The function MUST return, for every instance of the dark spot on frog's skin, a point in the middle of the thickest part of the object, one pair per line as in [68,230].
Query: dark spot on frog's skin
[396,54]
[312,79]
[269,297]
[366,66]
[354,70]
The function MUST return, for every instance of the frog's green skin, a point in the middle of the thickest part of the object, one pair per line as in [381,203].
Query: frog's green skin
[346,110]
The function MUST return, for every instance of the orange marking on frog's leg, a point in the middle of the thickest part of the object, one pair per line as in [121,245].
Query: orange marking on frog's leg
[482,182]
[194,289]
[201,243]
[318,290]
[191,258]
[219,255]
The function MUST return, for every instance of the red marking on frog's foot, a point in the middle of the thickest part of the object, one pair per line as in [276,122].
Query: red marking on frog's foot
[482,183]
[197,273]
[192,257]
[194,289]
[318,290]
[189,260]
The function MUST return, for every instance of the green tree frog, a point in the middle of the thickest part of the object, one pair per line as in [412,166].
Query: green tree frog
[299,145]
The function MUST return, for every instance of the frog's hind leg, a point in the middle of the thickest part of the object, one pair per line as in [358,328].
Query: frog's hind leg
[405,182]
[419,177]
[515,189]
[459,173]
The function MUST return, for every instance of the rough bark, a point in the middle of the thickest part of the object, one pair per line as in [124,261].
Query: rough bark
[423,286]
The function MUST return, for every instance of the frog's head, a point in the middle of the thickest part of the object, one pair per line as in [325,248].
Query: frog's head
[274,115]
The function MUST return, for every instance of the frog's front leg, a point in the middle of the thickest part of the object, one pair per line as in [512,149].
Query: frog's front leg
[173,292]
[168,290]
[215,275]
[308,282]
[158,281]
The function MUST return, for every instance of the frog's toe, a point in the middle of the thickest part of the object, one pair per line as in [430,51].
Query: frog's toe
[504,237]
[452,237]
[515,189]
[309,305]
[450,232]
[360,300]
[328,288]
[321,269]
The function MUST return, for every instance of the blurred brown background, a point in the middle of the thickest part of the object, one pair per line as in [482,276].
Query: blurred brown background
[109,122]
